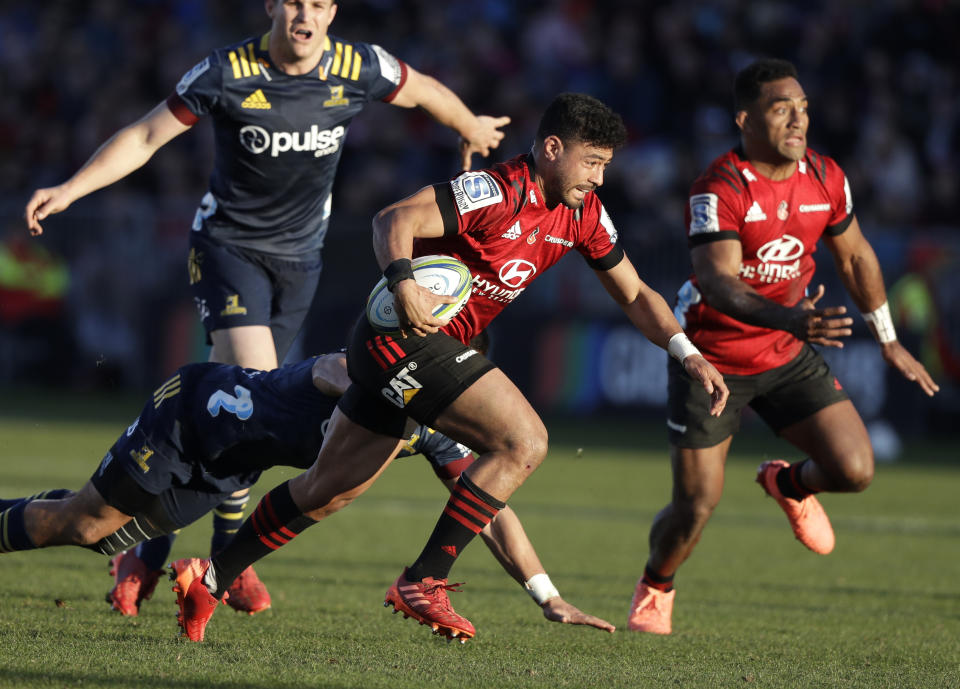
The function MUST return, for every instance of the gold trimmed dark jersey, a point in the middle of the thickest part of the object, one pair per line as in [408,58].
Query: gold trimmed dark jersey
[279,137]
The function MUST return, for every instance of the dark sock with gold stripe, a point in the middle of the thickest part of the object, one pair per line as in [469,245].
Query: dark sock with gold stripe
[13,530]
[468,510]
[275,522]
[55,494]
[226,521]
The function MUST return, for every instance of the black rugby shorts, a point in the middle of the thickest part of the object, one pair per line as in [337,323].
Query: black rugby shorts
[396,378]
[781,396]
[233,286]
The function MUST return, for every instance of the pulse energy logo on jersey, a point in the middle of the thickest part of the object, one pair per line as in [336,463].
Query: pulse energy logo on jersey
[321,142]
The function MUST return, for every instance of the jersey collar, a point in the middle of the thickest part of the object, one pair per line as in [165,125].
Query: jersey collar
[322,70]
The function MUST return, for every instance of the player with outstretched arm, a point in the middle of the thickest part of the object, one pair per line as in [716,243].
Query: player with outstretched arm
[210,429]
[508,224]
[281,104]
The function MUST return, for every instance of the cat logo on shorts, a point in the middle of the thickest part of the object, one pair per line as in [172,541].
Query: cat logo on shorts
[403,387]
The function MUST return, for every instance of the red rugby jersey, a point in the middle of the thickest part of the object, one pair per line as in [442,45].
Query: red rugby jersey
[778,224]
[497,223]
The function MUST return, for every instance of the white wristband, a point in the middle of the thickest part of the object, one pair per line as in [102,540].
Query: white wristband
[540,588]
[882,324]
[680,347]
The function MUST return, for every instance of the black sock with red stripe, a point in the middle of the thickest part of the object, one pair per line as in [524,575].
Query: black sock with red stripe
[790,483]
[657,581]
[275,522]
[468,510]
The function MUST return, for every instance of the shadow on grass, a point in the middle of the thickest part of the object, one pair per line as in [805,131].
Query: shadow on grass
[171,680]
[908,593]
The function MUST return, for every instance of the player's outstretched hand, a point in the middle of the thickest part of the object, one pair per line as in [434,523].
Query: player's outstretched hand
[897,356]
[415,306]
[558,610]
[45,202]
[485,136]
[712,381]
[820,326]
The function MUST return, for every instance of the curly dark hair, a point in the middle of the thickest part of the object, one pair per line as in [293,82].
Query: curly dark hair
[579,117]
[746,87]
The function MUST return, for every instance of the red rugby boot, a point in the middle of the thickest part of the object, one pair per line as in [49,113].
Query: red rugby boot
[195,602]
[133,583]
[248,594]
[426,601]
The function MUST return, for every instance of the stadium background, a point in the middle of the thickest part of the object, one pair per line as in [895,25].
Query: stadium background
[101,300]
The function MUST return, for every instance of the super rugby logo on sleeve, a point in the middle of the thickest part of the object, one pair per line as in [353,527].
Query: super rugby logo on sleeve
[703,214]
[607,224]
[848,196]
[192,75]
[474,190]
[389,65]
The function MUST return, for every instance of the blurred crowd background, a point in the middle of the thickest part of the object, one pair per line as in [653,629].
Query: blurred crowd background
[101,299]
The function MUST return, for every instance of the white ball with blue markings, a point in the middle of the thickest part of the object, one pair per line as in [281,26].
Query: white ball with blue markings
[440,274]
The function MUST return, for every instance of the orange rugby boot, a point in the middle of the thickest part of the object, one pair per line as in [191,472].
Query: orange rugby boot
[651,610]
[807,518]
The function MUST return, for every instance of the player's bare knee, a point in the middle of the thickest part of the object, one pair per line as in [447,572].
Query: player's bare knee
[329,506]
[856,473]
[527,452]
[693,513]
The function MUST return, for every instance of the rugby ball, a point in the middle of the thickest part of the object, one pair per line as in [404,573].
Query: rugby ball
[440,274]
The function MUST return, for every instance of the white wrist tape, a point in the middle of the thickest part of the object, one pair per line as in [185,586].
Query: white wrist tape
[540,588]
[882,324]
[680,347]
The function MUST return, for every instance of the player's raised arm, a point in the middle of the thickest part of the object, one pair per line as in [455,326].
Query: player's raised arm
[394,229]
[120,155]
[717,264]
[478,133]
[649,312]
[860,272]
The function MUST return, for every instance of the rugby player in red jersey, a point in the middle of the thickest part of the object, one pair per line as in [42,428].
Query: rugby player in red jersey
[280,104]
[508,224]
[754,220]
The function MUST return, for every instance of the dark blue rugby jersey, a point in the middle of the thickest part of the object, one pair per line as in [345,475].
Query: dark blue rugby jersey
[217,427]
[228,423]
[279,137]
[447,457]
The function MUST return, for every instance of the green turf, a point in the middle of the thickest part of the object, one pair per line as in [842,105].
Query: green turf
[754,608]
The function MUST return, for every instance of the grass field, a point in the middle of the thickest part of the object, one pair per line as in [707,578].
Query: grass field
[754,608]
